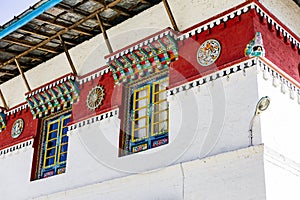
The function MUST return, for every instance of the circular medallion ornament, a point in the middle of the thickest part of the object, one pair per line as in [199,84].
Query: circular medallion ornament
[95,97]
[17,128]
[208,52]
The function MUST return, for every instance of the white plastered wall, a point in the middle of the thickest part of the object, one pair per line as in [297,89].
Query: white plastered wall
[204,121]
[280,135]
[15,171]
[280,122]
[215,117]
[287,11]
[233,175]
[282,176]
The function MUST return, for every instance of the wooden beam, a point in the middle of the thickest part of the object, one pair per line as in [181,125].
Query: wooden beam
[145,2]
[14,54]
[103,2]
[27,44]
[32,32]
[3,100]
[171,17]
[108,45]
[23,75]
[68,55]
[59,24]
[7,72]
[79,3]
[61,32]
[112,4]
[70,9]
[40,35]
[121,11]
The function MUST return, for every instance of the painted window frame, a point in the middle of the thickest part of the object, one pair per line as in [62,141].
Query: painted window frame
[46,168]
[153,93]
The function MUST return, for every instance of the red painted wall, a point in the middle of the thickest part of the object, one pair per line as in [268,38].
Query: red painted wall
[280,52]
[233,37]
[113,95]
[29,131]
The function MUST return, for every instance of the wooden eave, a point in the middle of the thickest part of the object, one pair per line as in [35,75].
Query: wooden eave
[74,21]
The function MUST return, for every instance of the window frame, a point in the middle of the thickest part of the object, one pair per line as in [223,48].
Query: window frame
[58,166]
[152,139]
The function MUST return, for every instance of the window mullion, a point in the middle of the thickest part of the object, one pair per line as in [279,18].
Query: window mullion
[136,119]
[149,114]
[61,119]
[47,148]
[61,144]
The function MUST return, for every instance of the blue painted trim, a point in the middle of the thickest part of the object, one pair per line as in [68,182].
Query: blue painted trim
[28,17]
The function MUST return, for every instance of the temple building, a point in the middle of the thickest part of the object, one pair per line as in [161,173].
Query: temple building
[151,99]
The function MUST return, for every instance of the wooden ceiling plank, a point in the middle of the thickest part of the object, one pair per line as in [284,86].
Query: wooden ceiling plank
[26,44]
[7,72]
[102,2]
[70,9]
[62,26]
[14,53]
[44,36]
[121,11]
[33,32]
[145,2]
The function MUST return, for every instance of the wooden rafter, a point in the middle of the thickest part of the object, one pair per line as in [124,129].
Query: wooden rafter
[69,9]
[68,55]
[23,75]
[110,50]
[145,2]
[40,35]
[170,14]
[103,2]
[80,3]
[28,44]
[73,9]
[14,54]
[110,5]
[3,100]
[23,29]
[121,10]
[78,30]
[7,72]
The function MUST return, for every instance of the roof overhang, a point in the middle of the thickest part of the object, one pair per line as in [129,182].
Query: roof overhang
[51,26]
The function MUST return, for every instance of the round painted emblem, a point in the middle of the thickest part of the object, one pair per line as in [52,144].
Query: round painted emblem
[208,52]
[17,128]
[95,97]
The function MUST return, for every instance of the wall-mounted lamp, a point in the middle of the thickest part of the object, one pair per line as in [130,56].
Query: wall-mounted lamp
[261,106]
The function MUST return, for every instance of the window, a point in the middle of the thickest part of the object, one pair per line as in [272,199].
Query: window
[54,145]
[147,114]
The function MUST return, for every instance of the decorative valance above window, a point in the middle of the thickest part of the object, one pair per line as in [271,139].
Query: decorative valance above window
[53,96]
[2,119]
[145,57]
